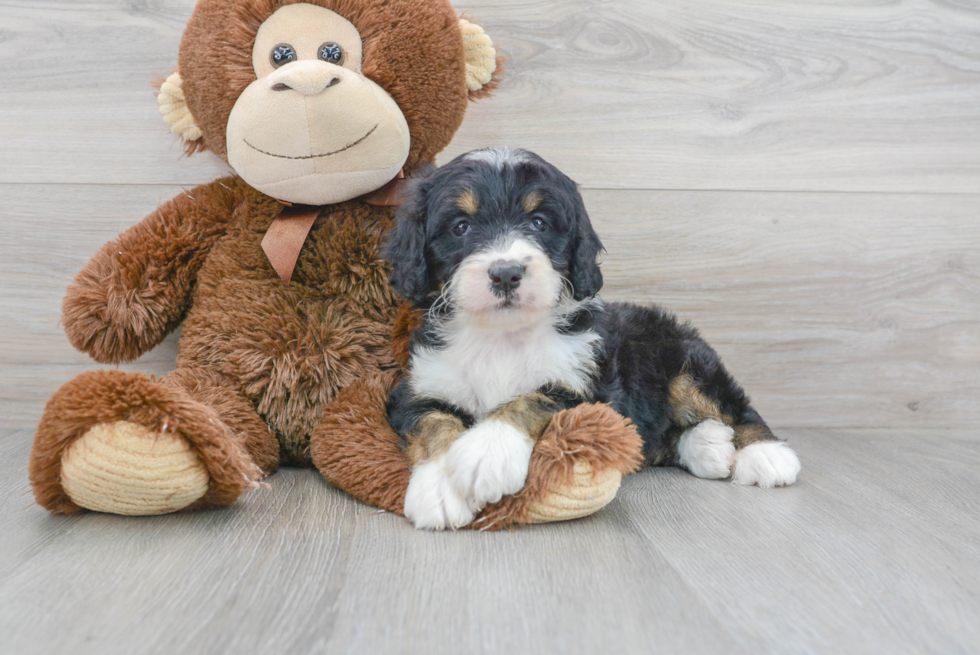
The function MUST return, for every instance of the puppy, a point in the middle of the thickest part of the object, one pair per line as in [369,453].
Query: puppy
[498,249]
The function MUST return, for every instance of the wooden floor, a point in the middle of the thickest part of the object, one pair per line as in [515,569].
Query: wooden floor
[802,180]
[875,550]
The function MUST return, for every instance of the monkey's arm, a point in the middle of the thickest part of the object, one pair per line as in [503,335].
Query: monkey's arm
[135,290]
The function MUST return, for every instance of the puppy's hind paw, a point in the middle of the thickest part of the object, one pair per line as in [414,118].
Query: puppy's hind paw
[706,450]
[432,502]
[767,464]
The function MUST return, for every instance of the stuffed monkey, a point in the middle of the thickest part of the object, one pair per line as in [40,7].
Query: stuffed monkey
[291,337]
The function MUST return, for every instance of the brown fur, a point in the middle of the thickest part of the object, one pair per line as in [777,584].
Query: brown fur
[690,406]
[355,448]
[160,256]
[235,411]
[316,335]
[468,202]
[530,413]
[750,433]
[329,327]
[406,321]
[532,201]
[434,435]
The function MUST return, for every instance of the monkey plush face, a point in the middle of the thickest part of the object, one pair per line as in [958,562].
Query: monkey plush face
[323,101]
[312,128]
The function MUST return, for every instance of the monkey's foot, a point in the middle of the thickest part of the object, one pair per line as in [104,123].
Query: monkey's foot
[125,443]
[125,468]
[588,492]
[576,468]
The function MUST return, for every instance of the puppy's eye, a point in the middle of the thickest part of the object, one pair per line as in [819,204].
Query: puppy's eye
[461,228]
[282,54]
[539,224]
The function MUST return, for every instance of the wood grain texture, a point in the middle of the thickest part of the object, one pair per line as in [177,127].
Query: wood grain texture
[871,552]
[766,95]
[858,310]
[831,309]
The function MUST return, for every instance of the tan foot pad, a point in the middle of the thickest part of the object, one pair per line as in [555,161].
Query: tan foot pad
[124,468]
[589,493]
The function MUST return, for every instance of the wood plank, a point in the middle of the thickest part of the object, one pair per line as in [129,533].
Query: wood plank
[54,230]
[174,583]
[304,566]
[874,96]
[832,309]
[870,552]
[80,106]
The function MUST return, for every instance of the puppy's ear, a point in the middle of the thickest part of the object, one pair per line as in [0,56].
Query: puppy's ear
[584,273]
[405,246]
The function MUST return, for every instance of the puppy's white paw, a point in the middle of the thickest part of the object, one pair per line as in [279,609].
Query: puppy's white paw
[432,502]
[767,464]
[706,450]
[489,461]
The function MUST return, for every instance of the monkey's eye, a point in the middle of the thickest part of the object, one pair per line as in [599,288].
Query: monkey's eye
[283,54]
[538,224]
[461,228]
[332,53]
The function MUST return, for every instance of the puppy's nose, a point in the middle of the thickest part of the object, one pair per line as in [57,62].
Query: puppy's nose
[506,276]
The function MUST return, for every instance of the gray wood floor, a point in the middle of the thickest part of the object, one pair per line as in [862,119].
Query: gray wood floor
[875,550]
[802,180]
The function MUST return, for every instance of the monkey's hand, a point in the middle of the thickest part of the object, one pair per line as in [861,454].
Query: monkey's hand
[135,290]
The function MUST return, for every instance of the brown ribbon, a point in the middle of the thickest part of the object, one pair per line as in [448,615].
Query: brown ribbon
[389,195]
[286,236]
[284,239]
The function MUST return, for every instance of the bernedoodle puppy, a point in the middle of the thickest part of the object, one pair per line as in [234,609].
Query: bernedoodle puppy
[498,249]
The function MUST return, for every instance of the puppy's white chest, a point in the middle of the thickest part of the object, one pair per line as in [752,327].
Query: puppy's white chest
[480,370]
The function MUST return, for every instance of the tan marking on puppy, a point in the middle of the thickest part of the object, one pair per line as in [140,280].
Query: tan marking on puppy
[434,434]
[468,202]
[750,433]
[532,201]
[690,405]
[530,413]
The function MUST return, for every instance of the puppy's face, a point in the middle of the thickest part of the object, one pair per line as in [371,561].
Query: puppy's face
[500,235]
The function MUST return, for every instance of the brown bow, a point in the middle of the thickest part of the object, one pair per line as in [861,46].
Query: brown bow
[284,239]
[389,195]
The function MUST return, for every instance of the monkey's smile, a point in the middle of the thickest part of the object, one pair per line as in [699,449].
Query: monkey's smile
[326,154]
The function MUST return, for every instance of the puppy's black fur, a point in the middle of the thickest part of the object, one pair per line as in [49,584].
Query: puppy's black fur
[654,370]
[423,253]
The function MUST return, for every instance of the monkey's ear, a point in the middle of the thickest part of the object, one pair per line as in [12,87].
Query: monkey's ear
[177,115]
[483,67]
[405,247]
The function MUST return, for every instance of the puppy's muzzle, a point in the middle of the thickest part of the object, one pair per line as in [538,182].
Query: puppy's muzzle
[505,277]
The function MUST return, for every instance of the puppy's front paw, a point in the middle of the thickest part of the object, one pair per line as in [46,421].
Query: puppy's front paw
[488,462]
[432,502]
